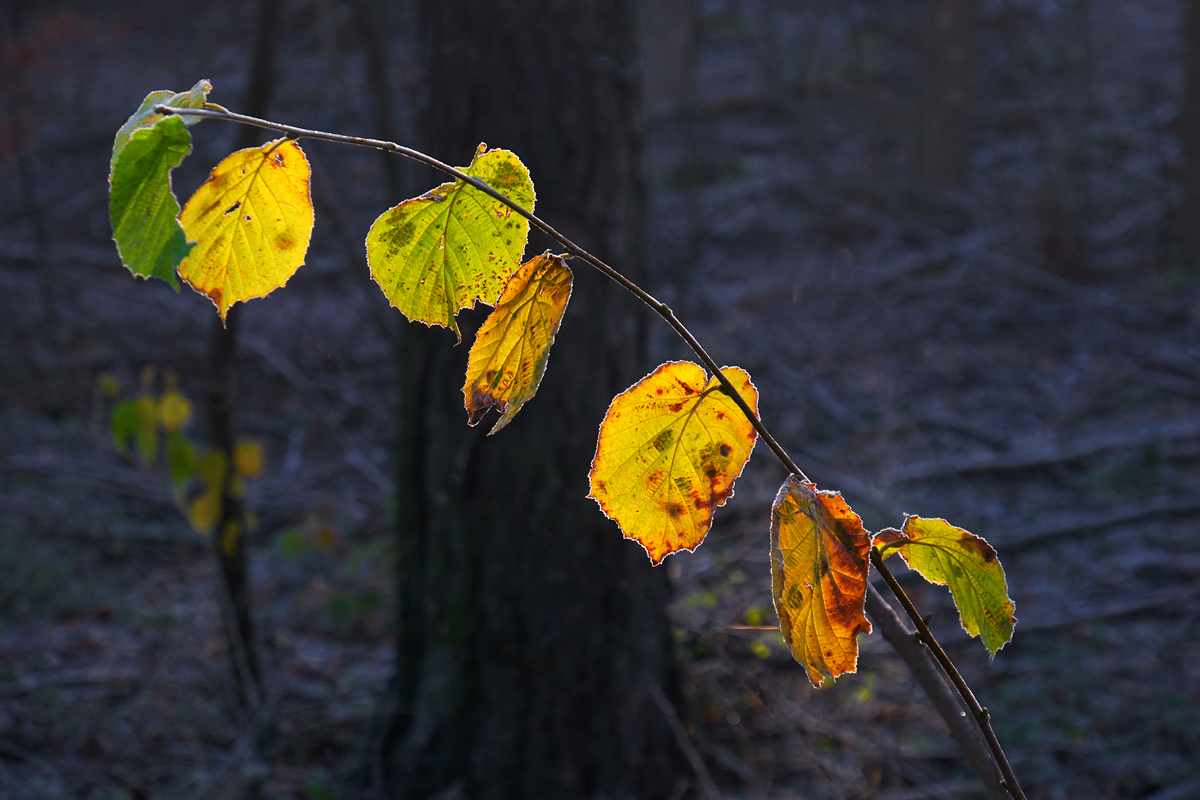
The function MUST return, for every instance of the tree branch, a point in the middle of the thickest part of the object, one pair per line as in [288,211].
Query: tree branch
[978,713]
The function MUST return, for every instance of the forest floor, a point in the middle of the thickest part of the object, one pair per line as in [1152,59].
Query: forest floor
[930,352]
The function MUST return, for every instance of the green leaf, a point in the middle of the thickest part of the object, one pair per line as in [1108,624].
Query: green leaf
[946,555]
[445,250]
[181,458]
[136,420]
[124,423]
[142,207]
[145,118]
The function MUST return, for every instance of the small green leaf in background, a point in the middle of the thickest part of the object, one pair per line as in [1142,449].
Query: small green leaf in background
[181,458]
[454,245]
[946,555]
[124,423]
[141,205]
[145,118]
[136,420]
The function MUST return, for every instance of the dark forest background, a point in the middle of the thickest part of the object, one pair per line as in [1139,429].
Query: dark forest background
[955,242]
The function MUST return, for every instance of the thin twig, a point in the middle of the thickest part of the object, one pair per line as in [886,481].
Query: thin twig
[685,744]
[665,312]
[575,250]
[982,718]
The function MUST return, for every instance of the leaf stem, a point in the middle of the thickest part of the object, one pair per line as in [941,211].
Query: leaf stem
[980,714]
[982,718]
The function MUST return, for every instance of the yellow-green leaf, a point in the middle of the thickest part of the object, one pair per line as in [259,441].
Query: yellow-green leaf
[251,221]
[145,118]
[670,448]
[174,410]
[819,560]
[510,352]
[947,555]
[445,250]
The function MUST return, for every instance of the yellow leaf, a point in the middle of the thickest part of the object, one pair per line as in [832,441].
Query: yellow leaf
[670,448]
[206,510]
[454,245]
[109,385]
[248,458]
[251,221]
[946,555]
[819,560]
[510,352]
[230,533]
[173,410]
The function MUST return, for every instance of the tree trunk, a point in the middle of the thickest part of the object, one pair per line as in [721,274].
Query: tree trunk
[943,137]
[229,543]
[1187,219]
[544,632]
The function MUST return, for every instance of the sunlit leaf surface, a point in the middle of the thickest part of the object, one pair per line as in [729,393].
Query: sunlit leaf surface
[819,560]
[142,208]
[669,451]
[947,555]
[445,250]
[251,221]
[510,352]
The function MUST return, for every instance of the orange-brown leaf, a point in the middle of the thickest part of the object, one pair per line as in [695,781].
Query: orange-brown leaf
[670,448]
[510,352]
[819,560]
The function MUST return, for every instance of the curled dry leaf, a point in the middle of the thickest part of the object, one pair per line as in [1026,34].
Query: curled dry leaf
[946,555]
[145,117]
[670,448]
[819,561]
[251,221]
[512,347]
[445,250]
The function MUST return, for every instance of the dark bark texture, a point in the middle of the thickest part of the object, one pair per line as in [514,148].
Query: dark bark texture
[943,138]
[544,632]
[1187,219]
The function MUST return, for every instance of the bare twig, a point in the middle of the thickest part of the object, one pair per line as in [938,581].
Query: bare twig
[665,312]
[982,718]
[944,699]
[575,250]
[685,744]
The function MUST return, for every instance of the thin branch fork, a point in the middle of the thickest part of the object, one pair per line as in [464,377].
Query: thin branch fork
[212,111]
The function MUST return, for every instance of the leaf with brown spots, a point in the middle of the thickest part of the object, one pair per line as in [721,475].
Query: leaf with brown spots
[510,352]
[454,245]
[251,221]
[944,554]
[819,560]
[670,448]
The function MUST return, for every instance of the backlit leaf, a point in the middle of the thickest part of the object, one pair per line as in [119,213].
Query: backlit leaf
[947,555]
[145,118]
[181,459]
[142,208]
[174,410]
[819,560]
[510,352]
[669,451]
[251,221]
[441,252]
[248,458]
